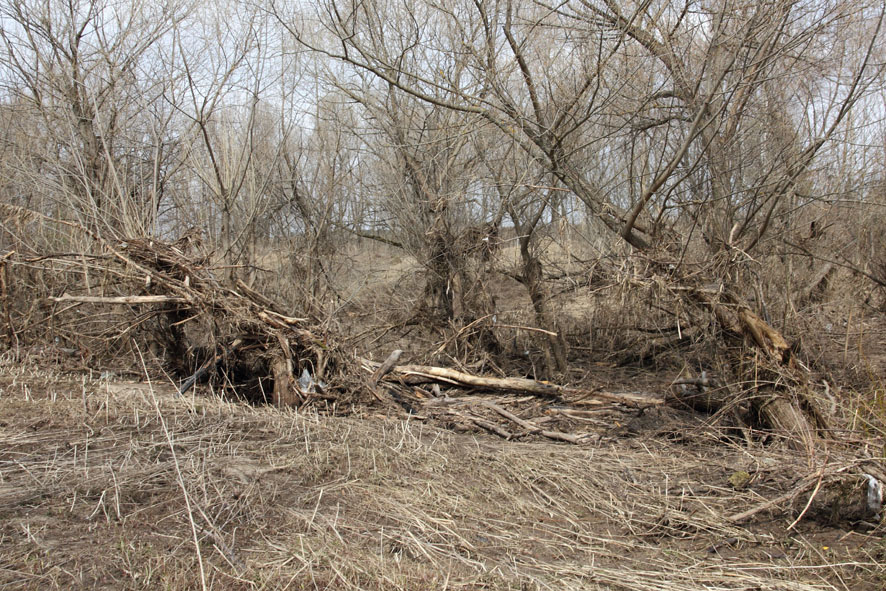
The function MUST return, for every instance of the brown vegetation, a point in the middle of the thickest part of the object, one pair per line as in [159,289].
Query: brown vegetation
[580,223]
[110,485]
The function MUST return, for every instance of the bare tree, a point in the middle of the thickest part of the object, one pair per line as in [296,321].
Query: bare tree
[79,66]
[661,118]
[224,73]
[424,169]
[315,180]
[528,201]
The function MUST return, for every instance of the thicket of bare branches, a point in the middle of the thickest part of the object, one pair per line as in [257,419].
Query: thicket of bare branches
[697,176]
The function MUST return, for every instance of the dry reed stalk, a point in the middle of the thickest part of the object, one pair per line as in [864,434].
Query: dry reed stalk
[306,500]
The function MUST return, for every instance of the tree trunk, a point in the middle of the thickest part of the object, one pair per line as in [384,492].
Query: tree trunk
[787,414]
[443,286]
[555,346]
[285,394]
[785,417]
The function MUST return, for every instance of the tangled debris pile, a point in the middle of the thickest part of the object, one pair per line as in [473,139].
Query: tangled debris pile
[289,360]
[248,329]
[207,324]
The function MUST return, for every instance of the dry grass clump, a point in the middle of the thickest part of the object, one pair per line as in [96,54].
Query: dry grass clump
[126,486]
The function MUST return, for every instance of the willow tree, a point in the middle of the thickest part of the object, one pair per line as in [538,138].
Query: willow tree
[667,120]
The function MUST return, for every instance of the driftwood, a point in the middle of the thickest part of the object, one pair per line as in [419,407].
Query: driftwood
[627,398]
[418,374]
[404,392]
[157,273]
[182,285]
[285,390]
[776,407]
[422,374]
[531,427]
[121,300]
[489,426]
[386,367]
[458,406]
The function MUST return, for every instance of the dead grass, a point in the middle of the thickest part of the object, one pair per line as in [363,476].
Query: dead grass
[93,495]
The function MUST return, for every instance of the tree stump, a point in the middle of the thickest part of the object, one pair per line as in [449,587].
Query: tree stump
[285,393]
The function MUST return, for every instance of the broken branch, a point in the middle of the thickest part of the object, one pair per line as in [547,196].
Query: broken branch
[121,300]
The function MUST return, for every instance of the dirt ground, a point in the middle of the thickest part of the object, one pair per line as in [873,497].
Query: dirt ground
[110,485]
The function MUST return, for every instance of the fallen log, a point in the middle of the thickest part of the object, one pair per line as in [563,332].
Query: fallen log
[419,374]
[626,398]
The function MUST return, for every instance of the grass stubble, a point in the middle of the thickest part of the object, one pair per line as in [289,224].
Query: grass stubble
[112,485]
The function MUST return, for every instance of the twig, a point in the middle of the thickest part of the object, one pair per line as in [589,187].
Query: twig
[528,328]
[809,502]
[463,330]
[532,427]
[805,484]
[219,542]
